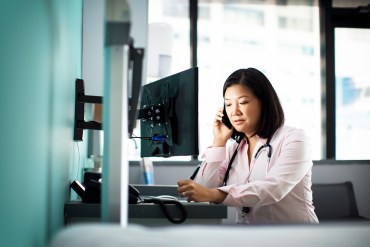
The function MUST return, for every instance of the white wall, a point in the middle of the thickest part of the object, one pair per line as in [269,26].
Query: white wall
[93,41]
[92,52]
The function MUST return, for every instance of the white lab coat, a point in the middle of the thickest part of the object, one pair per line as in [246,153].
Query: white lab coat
[276,190]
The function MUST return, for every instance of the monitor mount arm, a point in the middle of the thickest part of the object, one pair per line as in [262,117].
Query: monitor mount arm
[80,99]
[136,57]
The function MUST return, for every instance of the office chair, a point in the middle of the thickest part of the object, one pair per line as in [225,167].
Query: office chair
[335,201]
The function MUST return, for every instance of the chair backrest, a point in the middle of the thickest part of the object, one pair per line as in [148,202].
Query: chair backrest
[335,201]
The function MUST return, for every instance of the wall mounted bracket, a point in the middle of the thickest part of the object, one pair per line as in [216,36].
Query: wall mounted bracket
[80,99]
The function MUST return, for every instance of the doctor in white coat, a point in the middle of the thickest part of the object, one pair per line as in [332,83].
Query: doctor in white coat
[265,173]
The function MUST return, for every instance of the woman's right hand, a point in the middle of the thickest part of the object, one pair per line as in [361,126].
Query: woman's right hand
[220,131]
[198,193]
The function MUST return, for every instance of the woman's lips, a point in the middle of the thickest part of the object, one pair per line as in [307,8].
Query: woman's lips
[238,121]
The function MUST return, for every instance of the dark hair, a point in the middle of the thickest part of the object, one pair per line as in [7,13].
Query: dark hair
[272,114]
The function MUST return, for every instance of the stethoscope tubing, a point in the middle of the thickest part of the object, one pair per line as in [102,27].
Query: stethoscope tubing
[267,144]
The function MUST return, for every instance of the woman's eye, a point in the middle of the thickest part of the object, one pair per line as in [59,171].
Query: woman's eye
[227,105]
[244,102]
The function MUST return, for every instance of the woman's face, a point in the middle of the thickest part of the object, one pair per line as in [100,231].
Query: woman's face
[243,109]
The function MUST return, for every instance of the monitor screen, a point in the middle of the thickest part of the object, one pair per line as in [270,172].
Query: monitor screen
[169,116]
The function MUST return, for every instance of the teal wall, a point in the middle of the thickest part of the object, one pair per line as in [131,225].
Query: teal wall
[40,58]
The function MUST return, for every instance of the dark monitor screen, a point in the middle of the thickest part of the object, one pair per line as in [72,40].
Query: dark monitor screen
[169,116]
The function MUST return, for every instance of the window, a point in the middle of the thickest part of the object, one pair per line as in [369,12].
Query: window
[280,40]
[169,20]
[352,82]
[346,52]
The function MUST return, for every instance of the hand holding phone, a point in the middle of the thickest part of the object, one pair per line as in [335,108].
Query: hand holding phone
[221,134]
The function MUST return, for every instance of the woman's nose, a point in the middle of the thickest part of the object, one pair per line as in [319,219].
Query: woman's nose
[235,110]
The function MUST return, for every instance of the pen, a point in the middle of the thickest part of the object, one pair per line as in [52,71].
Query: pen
[195,172]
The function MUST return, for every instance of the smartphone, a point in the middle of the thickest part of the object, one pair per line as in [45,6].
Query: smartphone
[226,120]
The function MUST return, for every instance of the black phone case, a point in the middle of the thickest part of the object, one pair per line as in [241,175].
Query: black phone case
[226,120]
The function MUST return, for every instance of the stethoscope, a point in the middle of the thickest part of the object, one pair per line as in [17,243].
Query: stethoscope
[269,153]
[226,177]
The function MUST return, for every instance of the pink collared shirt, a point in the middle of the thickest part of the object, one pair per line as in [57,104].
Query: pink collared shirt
[277,190]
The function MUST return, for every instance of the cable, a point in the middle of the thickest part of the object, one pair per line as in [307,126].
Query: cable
[152,138]
[132,138]
[163,204]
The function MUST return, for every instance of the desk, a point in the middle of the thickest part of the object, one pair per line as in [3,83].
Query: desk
[302,235]
[147,213]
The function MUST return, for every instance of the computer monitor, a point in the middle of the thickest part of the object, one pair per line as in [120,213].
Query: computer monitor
[169,116]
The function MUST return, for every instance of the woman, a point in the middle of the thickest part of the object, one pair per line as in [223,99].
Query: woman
[266,173]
